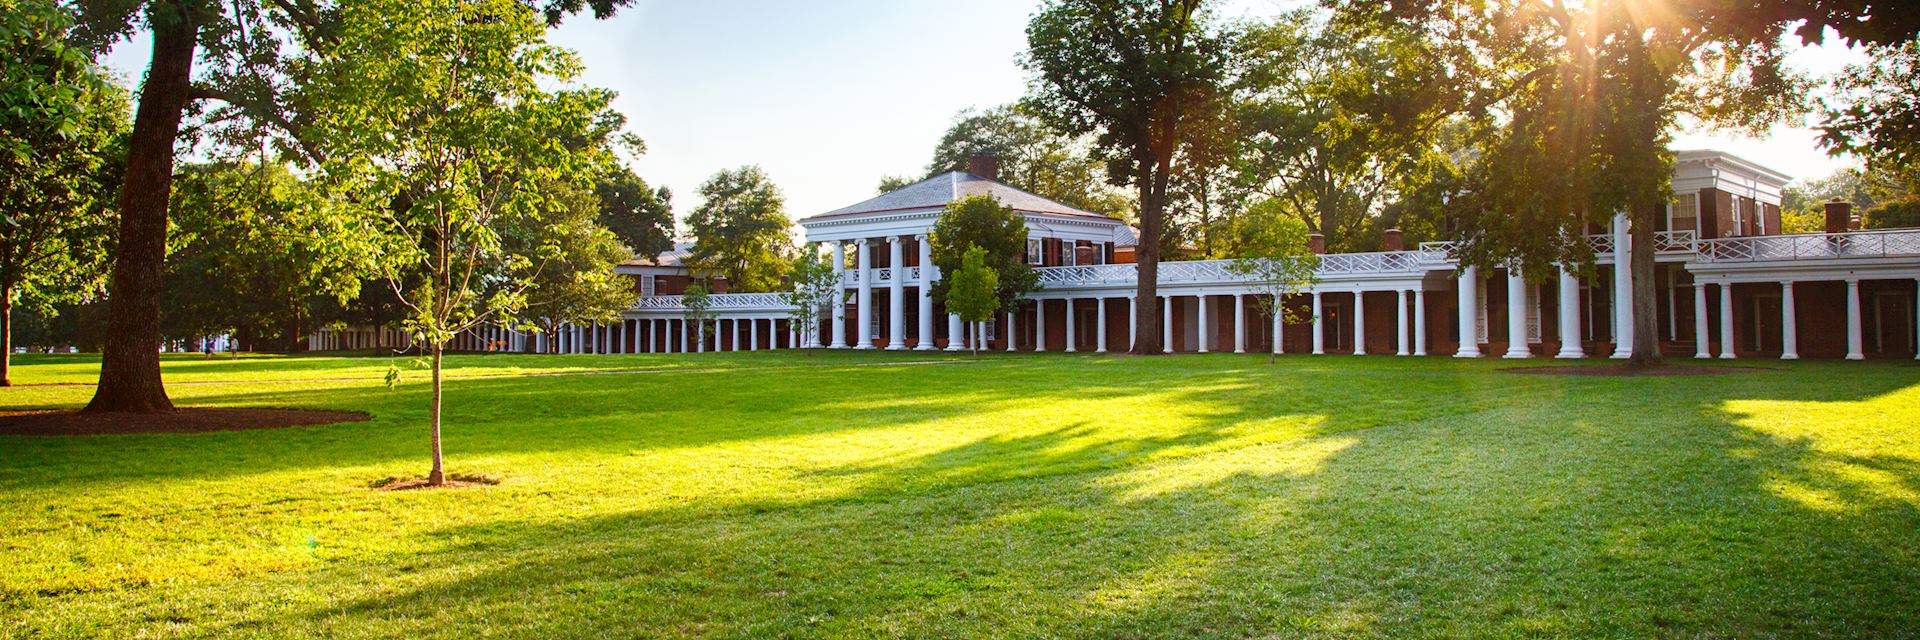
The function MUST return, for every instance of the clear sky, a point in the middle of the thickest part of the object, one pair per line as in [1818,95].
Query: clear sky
[827,97]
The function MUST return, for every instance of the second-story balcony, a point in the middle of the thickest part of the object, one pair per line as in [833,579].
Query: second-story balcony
[1812,246]
[882,276]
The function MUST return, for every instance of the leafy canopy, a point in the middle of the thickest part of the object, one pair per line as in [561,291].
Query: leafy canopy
[973,293]
[999,232]
[741,230]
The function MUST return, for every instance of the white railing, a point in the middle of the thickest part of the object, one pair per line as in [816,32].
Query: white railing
[716,302]
[881,276]
[1857,244]
[1206,271]
[1668,242]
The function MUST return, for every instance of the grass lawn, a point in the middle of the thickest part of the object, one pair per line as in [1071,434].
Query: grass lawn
[888,494]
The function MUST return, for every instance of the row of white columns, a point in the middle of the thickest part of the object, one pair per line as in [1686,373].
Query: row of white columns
[1789,320]
[1409,324]
[896,298]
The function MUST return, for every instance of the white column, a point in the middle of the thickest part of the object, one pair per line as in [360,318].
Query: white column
[1622,287]
[1012,330]
[1400,315]
[1039,325]
[864,304]
[1726,321]
[1420,321]
[1516,315]
[1789,333]
[753,334]
[896,295]
[1100,325]
[1279,309]
[1319,329]
[1916,317]
[1133,322]
[1569,317]
[1239,323]
[686,334]
[1359,323]
[1856,350]
[954,333]
[1700,346]
[1166,324]
[1469,288]
[1201,304]
[924,340]
[839,339]
[1071,347]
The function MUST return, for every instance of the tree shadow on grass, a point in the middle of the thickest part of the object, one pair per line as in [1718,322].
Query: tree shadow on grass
[1584,509]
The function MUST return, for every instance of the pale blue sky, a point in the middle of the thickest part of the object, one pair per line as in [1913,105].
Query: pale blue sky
[830,96]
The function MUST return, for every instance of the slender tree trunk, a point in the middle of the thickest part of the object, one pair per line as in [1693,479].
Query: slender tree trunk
[438,476]
[130,360]
[6,335]
[1646,305]
[1153,193]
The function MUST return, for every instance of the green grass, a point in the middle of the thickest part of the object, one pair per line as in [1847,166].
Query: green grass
[876,494]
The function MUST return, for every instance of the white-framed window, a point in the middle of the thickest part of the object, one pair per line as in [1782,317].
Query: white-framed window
[989,328]
[1069,250]
[1739,219]
[1099,253]
[1033,252]
[1684,213]
[648,285]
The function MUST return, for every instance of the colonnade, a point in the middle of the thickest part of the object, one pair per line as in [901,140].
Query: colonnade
[1789,318]
[897,338]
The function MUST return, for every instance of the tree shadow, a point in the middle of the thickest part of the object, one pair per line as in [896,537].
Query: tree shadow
[1481,506]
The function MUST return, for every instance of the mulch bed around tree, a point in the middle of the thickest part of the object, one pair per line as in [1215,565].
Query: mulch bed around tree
[454,481]
[190,420]
[1624,371]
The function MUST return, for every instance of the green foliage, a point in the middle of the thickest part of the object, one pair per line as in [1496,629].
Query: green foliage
[576,283]
[640,216]
[1274,257]
[1803,203]
[813,282]
[62,128]
[1877,115]
[697,300]
[1145,79]
[890,184]
[436,126]
[1340,126]
[256,250]
[982,222]
[1893,214]
[1032,156]
[973,294]
[741,231]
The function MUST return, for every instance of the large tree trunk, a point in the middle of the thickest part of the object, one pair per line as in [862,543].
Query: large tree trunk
[130,361]
[1153,201]
[1646,305]
[438,476]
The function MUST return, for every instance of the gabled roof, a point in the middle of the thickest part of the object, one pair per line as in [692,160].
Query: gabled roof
[675,257]
[937,191]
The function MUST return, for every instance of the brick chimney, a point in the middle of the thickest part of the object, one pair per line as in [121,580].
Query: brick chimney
[1390,240]
[1316,243]
[984,165]
[1839,215]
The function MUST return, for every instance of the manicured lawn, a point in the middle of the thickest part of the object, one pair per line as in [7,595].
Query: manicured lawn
[876,494]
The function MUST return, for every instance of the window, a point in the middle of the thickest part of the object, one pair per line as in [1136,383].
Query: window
[1684,213]
[1067,250]
[1739,219]
[1099,254]
[1033,252]
[647,285]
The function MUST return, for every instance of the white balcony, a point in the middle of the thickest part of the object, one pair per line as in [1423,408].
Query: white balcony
[1812,246]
